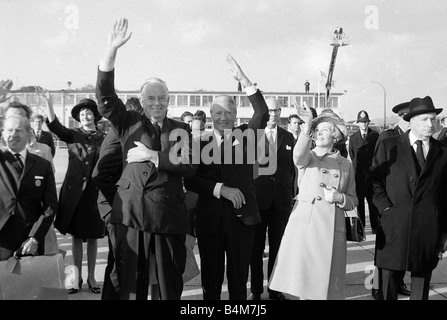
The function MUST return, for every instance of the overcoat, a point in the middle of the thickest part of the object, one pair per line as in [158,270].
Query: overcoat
[361,152]
[311,261]
[83,153]
[417,214]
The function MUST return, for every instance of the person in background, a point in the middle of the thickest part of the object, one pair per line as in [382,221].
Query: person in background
[294,126]
[28,199]
[148,216]
[408,177]
[78,212]
[200,116]
[307,86]
[361,152]
[227,211]
[400,128]
[43,136]
[187,117]
[40,149]
[274,194]
[441,135]
[311,261]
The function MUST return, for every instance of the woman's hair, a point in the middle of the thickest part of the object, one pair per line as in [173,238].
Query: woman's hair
[184,115]
[336,133]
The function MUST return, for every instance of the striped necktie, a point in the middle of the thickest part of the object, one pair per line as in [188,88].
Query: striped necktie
[18,164]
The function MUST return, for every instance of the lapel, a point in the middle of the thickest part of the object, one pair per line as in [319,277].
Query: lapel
[29,163]
[164,137]
[6,171]
[279,137]
[14,175]
[406,152]
[431,156]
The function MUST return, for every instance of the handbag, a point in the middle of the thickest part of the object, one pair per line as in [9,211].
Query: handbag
[355,231]
[33,278]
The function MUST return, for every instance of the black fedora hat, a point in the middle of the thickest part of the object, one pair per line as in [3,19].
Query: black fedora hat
[402,108]
[420,106]
[86,103]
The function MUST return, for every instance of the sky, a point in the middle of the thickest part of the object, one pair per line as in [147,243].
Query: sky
[278,43]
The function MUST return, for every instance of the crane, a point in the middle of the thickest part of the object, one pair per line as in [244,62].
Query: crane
[337,41]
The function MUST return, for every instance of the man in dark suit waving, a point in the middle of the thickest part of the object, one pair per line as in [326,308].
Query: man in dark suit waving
[148,218]
[227,211]
[408,177]
[274,193]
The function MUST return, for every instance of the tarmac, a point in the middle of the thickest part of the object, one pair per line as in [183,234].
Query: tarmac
[359,269]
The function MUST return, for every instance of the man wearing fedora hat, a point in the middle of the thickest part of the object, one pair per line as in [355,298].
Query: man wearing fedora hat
[408,181]
[361,150]
[401,127]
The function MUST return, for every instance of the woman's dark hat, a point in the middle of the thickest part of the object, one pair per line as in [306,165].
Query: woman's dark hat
[86,103]
[420,106]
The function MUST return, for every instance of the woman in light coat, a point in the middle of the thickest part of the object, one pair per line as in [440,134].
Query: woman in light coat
[311,262]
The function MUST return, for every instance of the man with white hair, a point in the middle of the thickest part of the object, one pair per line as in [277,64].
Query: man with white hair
[227,211]
[148,218]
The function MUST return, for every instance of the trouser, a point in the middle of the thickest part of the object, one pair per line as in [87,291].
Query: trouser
[234,240]
[420,284]
[273,223]
[373,212]
[143,259]
[109,292]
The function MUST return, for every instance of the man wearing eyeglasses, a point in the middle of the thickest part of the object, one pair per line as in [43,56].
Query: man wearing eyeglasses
[274,195]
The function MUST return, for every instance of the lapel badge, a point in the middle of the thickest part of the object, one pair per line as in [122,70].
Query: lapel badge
[38,181]
[288,147]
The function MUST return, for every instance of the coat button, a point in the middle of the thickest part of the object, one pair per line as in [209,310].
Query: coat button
[335,175]
[85,178]
[318,198]
[87,163]
[411,179]
[323,170]
[145,173]
[322,185]
[89,148]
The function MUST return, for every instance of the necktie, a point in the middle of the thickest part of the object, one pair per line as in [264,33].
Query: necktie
[363,136]
[18,163]
[38,135]
[270,137]
[420,153]
[157,129]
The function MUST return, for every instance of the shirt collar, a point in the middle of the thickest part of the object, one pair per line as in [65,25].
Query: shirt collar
[22,153]
[274,130]
[413,140]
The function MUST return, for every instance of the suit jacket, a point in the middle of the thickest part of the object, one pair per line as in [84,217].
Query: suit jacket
[47,138]
[417,213]
[35,201]
[107,172]
[361,153]
[209,208]
[148,198]
[277,188]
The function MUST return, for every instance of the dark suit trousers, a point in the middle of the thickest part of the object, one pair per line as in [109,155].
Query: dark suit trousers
[273,223]
[420,285]
[235,239]
[373,212]
[143,258]
[109,292]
